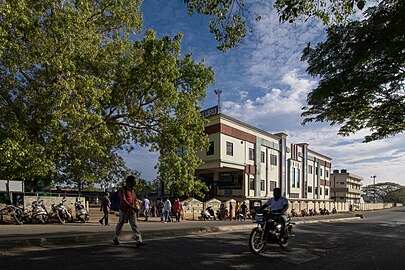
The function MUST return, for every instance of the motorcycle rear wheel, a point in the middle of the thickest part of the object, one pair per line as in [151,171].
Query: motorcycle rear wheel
[255,241]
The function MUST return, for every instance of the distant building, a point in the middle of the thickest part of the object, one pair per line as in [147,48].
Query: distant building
[346,187]
[244,162]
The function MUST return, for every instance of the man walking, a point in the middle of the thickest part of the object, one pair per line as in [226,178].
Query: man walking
[105,208]
[128,209]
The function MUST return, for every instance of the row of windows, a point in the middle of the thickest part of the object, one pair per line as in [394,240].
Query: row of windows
[311,169]
[262,184]
[229,152]
[273,161]
[262,187]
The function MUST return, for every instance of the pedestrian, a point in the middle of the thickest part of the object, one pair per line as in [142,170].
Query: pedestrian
[146,207]
[105,208]
[160,207]
[128,210]
[153,211]
[230,211]
[177,207]
[167,210]
[243,210]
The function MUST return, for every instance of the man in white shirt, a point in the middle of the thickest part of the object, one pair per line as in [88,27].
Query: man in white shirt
[146,207]
[278,207]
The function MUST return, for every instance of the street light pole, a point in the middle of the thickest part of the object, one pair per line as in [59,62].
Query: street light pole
[218,93]
[374,176]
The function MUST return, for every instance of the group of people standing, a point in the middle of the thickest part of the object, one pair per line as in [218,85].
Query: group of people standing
[165,209]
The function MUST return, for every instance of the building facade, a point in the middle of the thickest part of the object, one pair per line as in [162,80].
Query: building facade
[244,162]
[346,187]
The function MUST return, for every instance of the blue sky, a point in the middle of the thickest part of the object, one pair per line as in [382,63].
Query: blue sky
[264,83]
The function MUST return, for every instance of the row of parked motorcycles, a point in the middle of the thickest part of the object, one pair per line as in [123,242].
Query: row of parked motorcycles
[39,214]
[313,212]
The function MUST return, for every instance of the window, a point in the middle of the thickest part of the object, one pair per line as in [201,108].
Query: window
[210,149]
[316,170]
[229,148]
[293,177]
[326,191]
[298,178]
[321,172]
[310,169]
[310,189]
[320,191]
[273,160]
[326,173]
[251,154]
[262,157]
[262,185]
[252,184]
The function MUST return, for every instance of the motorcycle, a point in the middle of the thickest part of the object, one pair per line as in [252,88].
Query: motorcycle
[15,211]
[60,211]
[304,212]
[208,214]
[324,211]
[268,231]
[294,213]
[334,210]
[38,212]
[313,212]
[81,213]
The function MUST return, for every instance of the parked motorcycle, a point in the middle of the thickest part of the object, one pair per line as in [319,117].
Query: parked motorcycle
[38,212]
[208,214]
[15,211]
[313,212]
[324,211]
[294,213]
[304,212]
[60,211]
[81,213]
[334,210]
[268,231]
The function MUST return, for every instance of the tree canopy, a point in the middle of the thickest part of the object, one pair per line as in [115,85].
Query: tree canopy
[78,84]
[361,70]
[229,18]
[385,192]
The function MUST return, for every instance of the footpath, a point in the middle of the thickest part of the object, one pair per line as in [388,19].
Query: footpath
[53,235]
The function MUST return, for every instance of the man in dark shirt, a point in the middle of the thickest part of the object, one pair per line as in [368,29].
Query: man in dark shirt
[128,211]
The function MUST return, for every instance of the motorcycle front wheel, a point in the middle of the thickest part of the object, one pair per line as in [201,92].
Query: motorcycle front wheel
[256,243]
[61,217]
[18,217]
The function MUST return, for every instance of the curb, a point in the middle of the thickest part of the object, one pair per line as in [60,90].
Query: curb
[47,241]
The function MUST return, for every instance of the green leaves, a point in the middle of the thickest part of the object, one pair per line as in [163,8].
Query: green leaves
[75,90]
[362,77]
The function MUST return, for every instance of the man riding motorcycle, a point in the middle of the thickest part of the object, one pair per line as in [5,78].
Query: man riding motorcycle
[278,207]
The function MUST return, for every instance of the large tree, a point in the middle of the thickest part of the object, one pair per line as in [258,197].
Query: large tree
[78,84]
[361,68]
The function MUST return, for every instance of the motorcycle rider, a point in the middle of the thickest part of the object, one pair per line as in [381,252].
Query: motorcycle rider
[278,207]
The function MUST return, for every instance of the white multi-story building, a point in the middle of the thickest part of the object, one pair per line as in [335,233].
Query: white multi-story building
[346,187]
[244,162]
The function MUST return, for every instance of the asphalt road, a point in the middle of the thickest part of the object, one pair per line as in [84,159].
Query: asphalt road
[375,242]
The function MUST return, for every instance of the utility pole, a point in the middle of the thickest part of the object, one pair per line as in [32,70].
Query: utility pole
[374,197]
[218,93]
